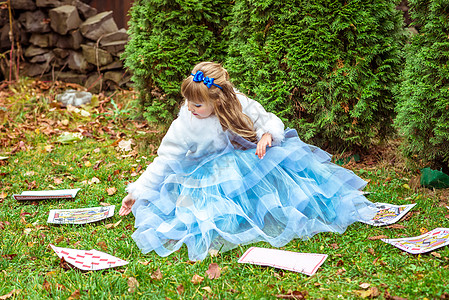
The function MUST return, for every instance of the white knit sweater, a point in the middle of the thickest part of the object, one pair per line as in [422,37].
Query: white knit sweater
[189,136]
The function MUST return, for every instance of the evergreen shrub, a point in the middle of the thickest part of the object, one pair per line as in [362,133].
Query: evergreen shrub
[326,67]
[168,37]
[423,95]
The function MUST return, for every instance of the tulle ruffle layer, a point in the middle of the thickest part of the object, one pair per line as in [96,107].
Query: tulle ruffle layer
[233,198]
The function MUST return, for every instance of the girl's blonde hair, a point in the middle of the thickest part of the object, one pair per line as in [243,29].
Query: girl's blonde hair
[226,105]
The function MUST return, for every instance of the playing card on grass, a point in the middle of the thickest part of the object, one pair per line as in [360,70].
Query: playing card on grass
[80,215]
[389,213]
[306,263]
[51,194]
[88,260]
[429,241]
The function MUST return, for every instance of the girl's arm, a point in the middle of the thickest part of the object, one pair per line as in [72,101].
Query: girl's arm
[269,128]
[174,146]
[264,122]
[262,145]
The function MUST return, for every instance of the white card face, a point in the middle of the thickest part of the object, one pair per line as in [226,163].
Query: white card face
[50,194]
[429,241]
[389,213]
[71,192]
[306,263]
[80,215]
[88,260]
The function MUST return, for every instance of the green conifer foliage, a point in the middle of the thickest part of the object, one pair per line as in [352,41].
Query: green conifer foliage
[423,98]
[326,67]
[168,37]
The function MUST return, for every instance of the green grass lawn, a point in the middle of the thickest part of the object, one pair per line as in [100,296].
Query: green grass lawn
[29,128]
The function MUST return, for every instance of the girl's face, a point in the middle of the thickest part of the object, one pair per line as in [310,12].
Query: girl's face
[200,110]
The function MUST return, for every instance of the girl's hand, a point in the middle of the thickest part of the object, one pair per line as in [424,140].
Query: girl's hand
[262,145]
[127,203]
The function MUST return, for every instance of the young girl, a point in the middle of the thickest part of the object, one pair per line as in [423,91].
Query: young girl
[227,174]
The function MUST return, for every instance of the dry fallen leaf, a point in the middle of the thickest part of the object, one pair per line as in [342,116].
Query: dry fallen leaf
[371,251]
[3,195]
[111,191]
[65,265]
[94,180]
[423,230]
[340,271]
[113,225]
[335,246]
[372,292]
[87,164]
[387,295]
[102,245]
[180,289]
[213,253]
[59,239]
[395,226]
[196,279]
[75,295]
[293,295]
[9,256]
[436,254]
[157,275]
[133,284]
[57,180]
[207,289]
[214,271]
[125,145]
[49,148]
[46,285]
[104,204]
[364,285]
[10,294]
[97,164]
[378,237]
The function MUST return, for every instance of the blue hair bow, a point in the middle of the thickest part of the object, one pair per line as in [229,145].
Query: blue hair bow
[199,76]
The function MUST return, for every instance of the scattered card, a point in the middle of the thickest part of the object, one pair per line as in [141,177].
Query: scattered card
[51,194]
[389,213]
[429,241]
[306,263]
[80,215]
[88,260]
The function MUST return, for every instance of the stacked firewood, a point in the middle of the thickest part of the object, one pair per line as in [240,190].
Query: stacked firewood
[65,40]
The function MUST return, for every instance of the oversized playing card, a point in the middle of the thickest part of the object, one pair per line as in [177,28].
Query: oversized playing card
[80,215]
[306,263]
[429,241]
[42,195]
[389,213]
[88,260]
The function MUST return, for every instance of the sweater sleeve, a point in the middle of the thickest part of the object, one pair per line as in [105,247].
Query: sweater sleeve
[264,122]
[174,146]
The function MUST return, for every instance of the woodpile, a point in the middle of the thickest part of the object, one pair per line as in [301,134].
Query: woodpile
[65,40]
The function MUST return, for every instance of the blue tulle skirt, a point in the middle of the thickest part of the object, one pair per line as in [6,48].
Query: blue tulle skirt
[233,197]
